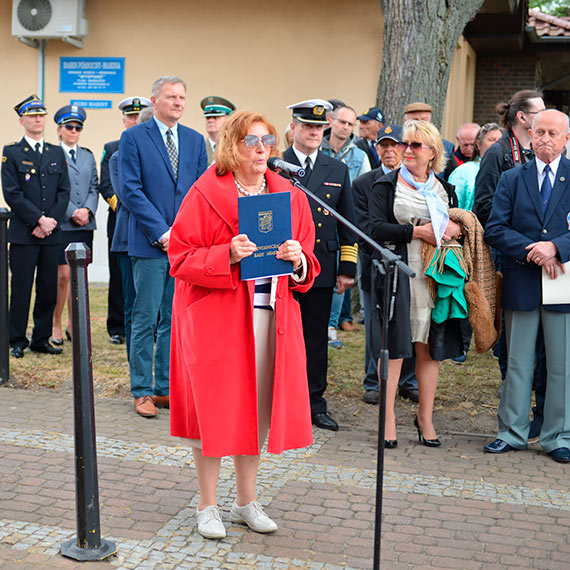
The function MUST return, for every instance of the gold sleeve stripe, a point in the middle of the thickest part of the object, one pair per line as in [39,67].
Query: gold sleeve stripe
[349,253]
[112,201]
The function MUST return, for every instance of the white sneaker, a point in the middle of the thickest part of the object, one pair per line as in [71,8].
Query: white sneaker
[334,341]
[253,516]
[210,523]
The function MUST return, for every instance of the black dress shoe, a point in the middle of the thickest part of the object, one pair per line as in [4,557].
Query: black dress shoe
[498,446]
[17,352]
[45,348]
[562,455]
[56,341]
[411,394]
[371,397]
[390,443]
[324,421]
[117,339]
[68,335]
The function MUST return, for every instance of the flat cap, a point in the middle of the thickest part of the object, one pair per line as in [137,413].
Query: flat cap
[417,106]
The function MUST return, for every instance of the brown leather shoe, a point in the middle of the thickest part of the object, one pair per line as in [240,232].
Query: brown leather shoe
[347,326]
[161,401]
[145,407]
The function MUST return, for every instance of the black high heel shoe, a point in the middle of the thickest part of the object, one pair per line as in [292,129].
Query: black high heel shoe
[422,439]
[390,443]
[67,334]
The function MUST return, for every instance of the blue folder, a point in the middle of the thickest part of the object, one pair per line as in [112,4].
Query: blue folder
[266,219]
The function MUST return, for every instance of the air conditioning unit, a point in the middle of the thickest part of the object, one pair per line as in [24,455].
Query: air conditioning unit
[47,19]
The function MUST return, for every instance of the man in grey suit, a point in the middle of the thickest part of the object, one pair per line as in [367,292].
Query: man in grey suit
[530,225]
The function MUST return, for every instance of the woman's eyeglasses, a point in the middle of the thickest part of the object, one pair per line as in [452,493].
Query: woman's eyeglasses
[415,146]
[251,141]
[77,128]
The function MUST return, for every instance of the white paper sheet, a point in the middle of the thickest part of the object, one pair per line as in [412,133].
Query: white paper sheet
[556,291]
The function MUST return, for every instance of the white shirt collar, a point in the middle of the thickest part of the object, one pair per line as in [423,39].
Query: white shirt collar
[68,148]
[302,157]
[33,142]
[553,166]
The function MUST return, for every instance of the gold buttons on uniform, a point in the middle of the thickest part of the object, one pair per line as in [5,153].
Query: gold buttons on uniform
[319,225]
[318,240]
[319,209]
[328,195]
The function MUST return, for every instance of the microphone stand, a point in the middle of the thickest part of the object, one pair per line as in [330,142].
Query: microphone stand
[386,266]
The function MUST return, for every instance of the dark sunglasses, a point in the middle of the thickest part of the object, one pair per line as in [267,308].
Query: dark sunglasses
[251,141]
[415,146]
[77,128]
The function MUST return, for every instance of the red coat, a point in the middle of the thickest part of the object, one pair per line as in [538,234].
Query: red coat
[213,386]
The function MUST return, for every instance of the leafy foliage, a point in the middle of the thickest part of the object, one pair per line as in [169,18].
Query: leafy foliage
[560,8]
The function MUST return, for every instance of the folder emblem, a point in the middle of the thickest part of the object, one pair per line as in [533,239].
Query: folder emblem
[265,221]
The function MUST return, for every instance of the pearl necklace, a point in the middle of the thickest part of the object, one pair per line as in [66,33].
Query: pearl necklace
[245,192]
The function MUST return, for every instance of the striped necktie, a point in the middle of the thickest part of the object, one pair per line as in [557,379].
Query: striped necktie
[172,154]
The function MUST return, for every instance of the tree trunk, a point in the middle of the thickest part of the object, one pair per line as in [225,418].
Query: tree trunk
[419,42]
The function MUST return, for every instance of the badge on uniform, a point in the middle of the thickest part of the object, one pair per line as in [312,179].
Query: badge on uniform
[568,220]
[27,177]
[335,184]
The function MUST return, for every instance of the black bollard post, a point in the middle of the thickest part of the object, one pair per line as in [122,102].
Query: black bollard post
[88,545]
[4,320]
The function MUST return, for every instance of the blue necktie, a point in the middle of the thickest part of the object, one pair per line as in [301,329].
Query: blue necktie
[374,155]
[545,189]
[72,153]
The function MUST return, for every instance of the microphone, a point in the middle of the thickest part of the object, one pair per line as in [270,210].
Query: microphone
[276,164]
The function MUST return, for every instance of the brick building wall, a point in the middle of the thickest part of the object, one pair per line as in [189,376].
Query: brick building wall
[497,78]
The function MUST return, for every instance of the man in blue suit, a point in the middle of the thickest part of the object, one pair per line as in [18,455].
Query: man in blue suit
[158,162]
[530,225]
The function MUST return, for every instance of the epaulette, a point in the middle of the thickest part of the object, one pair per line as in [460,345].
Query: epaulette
[12,143]
[87,149]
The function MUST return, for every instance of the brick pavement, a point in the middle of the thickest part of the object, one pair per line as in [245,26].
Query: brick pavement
[452,507]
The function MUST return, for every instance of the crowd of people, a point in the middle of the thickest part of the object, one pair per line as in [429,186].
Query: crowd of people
[194,329]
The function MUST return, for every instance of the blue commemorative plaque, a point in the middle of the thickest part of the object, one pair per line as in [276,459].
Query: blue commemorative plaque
[92,74]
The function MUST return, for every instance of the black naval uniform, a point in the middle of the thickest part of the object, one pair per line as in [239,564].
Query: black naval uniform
[115,310]
[33,186]
[329,180]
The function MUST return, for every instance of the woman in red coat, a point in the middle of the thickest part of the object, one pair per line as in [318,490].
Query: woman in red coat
[238,366]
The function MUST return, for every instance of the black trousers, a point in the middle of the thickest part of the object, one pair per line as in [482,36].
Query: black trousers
[115,311]
[315,313]
[25,261]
